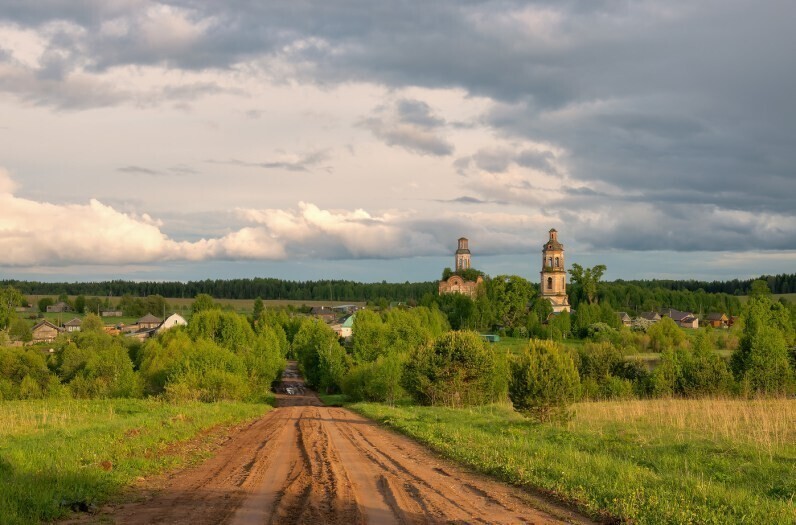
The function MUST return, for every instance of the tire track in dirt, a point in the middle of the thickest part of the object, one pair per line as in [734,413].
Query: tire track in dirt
[304,463]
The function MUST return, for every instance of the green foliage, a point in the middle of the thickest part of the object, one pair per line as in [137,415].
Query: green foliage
[10,298]
[704,373]
[379,380]
[322,361]
[140,306]
[665,335]
[44,302]
[544,382]
[24,375]
[509,296]
[457,369]
[20,330]
[587,279]
[761,361]
[228,329]
[258,308]
[92,323]
[80,304]
[203,302]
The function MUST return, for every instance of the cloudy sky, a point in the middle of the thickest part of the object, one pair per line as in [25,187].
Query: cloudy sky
[358,139]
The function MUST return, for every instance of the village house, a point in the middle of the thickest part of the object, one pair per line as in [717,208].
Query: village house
[327,315]
[652,317]
[110,313]
[171,321]
[59,307]
[624,318]
[717,320]
[346,329]
[456,283]
[148,322]
[683,319]
[73,325]
[45,332]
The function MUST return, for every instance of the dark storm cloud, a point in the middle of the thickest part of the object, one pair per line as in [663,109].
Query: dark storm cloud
[409,124]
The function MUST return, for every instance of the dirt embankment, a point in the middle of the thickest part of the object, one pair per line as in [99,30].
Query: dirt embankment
[305,463]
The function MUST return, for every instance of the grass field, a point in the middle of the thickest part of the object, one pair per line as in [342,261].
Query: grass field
[59,455]
[657,461]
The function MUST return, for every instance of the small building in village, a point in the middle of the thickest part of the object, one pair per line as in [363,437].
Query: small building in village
[59,307]
[170,322]
[148,322]
[45,332]
[73,325]
[718,320]
[624,318]
[683,319]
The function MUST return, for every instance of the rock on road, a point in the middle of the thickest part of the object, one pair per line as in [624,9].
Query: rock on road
[305,463]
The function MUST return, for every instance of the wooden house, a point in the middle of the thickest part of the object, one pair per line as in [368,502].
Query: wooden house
[170,322]
[718,320]
[73,325]
[148,322]
[45,332]
[59,307]
[625,318]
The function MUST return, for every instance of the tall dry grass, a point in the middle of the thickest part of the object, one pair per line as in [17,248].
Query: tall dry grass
[768,424]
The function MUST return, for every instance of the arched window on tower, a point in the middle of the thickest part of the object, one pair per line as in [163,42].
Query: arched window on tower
[550,262]
[556,262]
[549,283]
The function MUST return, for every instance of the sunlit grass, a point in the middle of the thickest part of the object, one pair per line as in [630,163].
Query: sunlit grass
[58,454]
[658,461]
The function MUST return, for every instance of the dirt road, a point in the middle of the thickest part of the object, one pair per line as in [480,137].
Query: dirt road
[305,463]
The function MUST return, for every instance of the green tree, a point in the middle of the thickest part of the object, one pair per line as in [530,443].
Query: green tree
[203,302]
[457,369]
[80,304]
[10,298]
[544,382]
[20,330]
[510,296]
[761,360]
[258,309]
[704,373]
[322,361]
[44,302]
[587,279]
[92,323]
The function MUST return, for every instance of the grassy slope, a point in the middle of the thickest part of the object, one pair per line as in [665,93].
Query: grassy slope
[647,461]
[56,453]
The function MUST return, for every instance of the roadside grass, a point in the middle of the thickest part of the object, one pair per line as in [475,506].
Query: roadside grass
[62,455]
[646,462]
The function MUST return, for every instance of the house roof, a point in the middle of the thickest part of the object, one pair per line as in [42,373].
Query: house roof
[676,315]
[45,322]
[716,316]
[149,318]
[623,315]
[650,316]
[349,323]
[74,322]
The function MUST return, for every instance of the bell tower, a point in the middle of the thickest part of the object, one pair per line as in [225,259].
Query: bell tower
[554,275]
[462,255]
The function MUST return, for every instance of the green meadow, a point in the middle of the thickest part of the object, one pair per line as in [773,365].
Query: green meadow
[62,455]
[641,461]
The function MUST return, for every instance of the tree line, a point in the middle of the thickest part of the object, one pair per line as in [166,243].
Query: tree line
[634,295]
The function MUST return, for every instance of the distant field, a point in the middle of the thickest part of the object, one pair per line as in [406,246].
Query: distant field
[645,462]
[59,454]
[791,297]
[183,305]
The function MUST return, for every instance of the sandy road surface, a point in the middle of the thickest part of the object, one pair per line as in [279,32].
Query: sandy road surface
[304,463]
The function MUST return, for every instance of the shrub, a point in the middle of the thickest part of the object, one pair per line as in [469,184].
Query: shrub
[378,381]
[457,369]
[544,382]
